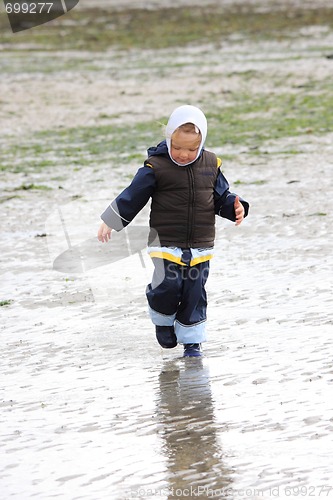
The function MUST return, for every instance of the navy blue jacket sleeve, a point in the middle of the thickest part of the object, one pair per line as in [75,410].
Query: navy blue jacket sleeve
[224,199]
[129,202]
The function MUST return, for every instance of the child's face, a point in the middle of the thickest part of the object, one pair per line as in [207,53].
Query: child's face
[184,146]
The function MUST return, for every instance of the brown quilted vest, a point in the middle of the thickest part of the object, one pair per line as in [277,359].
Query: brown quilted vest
[182,208]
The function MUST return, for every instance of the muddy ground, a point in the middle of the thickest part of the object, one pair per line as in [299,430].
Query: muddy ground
[91,406]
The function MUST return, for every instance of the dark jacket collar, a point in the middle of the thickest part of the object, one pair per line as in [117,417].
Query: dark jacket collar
[160,149]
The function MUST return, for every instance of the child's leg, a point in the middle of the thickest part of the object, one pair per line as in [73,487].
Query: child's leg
[164,292]
[190,325]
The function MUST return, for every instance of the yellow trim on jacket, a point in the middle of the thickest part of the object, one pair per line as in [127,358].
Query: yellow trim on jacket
[177,260]
[198,260]
[167,256]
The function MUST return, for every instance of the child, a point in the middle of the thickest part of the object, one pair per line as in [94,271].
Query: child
[187,189]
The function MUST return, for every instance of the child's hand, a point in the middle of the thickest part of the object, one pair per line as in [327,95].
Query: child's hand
[104,233]
[239,211]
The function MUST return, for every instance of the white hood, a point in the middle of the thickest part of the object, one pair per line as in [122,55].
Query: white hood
[186,114]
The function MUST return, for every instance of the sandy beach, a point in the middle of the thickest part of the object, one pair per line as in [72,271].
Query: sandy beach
[91,406]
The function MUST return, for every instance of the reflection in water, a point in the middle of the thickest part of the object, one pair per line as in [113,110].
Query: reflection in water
[194,458]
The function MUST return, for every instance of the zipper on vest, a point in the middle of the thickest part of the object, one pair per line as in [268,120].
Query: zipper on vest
[190,206]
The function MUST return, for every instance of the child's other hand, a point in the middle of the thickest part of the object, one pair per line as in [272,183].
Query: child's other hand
[104,233]
[239,211]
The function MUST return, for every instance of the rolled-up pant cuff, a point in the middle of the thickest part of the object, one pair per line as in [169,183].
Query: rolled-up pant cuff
[161,319]
[191,334]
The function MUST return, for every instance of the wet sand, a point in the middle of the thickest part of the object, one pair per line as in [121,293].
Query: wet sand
[91,406]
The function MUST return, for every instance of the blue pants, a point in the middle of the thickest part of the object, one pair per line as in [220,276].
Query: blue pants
[177,296]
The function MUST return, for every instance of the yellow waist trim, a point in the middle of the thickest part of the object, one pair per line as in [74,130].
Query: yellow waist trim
[177,260]
[198,260]
[167,256]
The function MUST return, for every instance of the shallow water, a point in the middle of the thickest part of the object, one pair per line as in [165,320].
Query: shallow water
[107,414]
[92,407]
